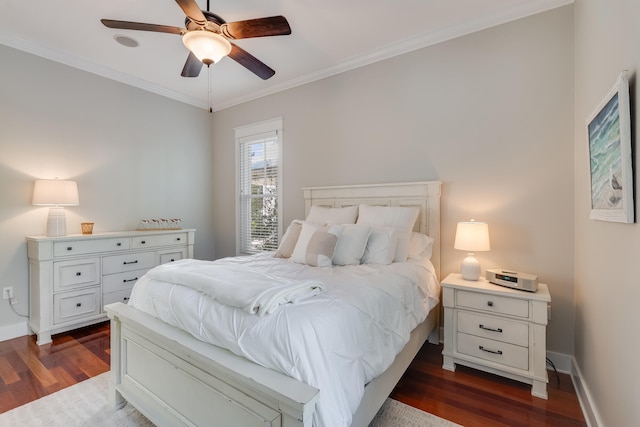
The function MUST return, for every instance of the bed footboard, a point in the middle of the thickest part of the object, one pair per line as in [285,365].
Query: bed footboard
[176,380]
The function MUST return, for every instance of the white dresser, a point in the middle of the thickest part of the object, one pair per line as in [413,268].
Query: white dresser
[496,329]
[71,278]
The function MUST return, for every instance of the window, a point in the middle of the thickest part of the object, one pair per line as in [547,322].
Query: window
[259,179]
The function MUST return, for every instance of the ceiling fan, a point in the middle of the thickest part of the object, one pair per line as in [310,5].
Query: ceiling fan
[207,37]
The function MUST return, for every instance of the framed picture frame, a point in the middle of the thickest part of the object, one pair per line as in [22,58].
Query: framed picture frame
[609,135]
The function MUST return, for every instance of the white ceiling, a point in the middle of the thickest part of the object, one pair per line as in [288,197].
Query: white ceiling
[328,37]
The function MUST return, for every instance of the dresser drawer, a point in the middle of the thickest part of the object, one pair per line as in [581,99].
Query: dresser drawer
[118,281]
[500,329]
[128,262]
[495,351]
[155,240]
[172,255]
[118,296]
[493,303]
[72,306]
[82,247]
[76,273]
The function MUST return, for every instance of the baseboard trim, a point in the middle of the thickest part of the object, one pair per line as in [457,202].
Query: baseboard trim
[562,362]
[14,331]
[587,403]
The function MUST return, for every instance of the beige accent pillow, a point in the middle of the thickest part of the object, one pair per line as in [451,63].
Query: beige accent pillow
[316,244]
[289,240]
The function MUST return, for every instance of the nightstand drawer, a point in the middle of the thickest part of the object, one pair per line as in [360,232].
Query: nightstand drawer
[500,329]
[493,303]
[495,351]
[128,262]
[75,305]
[76,274]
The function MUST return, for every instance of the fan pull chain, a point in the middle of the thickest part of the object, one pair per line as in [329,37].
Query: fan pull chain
[210,89]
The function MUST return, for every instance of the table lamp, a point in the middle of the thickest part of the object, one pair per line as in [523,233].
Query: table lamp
[56,194]
[471,236]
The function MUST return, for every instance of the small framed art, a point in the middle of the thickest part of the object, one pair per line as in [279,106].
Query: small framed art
[609,134]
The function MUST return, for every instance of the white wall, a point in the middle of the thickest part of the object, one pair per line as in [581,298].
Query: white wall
[607,289]
[489,114]
[134,155]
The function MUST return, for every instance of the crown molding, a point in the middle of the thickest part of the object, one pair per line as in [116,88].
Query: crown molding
[385,52]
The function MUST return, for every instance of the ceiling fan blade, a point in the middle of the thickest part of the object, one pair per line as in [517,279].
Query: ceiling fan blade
[126,25]
[192,10]
[250,62]
[192,67]
[260,27]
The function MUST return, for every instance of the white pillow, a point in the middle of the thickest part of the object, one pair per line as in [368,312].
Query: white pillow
[323,215]
[352,243]
[289,240]
[420,246]
[316,244]
[381,246]
[402,218]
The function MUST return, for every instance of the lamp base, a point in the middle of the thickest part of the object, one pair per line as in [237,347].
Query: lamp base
[56,222]
[470,268]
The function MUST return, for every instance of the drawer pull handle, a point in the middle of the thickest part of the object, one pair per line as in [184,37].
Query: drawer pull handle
[79,304]
[118,244]
[178,239]
[78,274]
[490,303]
[490,329]
[144,242]
[490,351]
[130,262]
[69,248]
[125,299]
[129,280]
[172,259]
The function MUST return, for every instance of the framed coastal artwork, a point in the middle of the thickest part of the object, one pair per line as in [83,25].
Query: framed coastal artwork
[609,134]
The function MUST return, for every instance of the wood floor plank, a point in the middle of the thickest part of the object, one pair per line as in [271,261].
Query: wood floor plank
[467,396]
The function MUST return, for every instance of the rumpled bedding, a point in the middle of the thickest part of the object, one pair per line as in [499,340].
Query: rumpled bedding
[336,341]
[261,293]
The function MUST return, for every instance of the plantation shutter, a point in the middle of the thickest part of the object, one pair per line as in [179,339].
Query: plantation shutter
[259,192]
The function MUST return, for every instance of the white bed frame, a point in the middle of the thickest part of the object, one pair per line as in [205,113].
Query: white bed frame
[175,379]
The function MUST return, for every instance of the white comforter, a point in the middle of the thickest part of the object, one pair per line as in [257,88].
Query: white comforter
[336,341]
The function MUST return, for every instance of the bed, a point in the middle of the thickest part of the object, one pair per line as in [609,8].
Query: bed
[175,378]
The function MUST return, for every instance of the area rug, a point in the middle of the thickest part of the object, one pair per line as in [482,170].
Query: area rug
[86,404]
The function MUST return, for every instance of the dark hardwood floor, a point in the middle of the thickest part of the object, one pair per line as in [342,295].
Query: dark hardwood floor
[467,397]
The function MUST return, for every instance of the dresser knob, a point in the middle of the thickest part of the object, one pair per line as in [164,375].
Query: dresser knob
[118,244]
[78,274]
[69,248]
[144,242]
[490,303]
[172,259]
[178,239]
[79,304]
[125,299]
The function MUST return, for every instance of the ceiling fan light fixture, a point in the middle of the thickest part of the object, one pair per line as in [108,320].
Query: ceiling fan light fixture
[207,46]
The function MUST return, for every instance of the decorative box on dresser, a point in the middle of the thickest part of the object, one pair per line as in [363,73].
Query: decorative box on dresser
[71,278]
[496,329]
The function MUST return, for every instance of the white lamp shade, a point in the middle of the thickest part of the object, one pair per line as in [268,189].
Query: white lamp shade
[207,46]
[54,192]
[472,236]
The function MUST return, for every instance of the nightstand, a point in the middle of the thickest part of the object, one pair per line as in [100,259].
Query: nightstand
[496,329]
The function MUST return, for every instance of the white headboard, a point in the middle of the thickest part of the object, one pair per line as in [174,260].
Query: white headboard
[425,194]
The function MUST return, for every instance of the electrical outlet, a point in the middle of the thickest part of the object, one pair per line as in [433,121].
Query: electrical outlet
[7,292]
